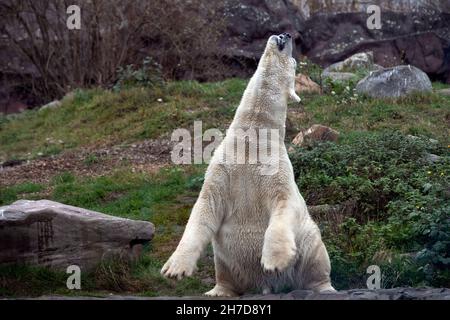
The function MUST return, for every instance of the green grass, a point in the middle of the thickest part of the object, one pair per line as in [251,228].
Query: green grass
[21,280]
[96,117]
[440,85]
[419,114]
[25,190]
[159,198]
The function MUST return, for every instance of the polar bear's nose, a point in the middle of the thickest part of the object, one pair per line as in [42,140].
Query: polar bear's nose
[288,35]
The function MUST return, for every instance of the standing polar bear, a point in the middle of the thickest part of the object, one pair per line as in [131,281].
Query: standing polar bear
[262,235]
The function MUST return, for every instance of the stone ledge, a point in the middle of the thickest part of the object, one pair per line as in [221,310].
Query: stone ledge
[354,294]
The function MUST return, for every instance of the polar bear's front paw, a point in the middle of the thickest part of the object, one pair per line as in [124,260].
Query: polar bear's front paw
[178,267]
[295,97]
[277,258]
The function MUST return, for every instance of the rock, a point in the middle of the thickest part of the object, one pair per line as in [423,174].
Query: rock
[304,84]
[69,96]
[291,128]
[52,105]
[432,158]
[377,67]
[52,234]
[347,70]
[444,92]
[317,132]
[354,294]
[363,60]
[339,76]
[394,82]
[248,24]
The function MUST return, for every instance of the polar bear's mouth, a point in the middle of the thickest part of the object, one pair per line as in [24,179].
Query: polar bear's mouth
[282,39]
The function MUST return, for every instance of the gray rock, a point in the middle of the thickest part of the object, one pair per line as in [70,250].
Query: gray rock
[52,234]
[394,82]
[432,158]
[377,67]
[444,92]
[339,76]
[355,294]
[352,68]
[52,105]
[362,60]
[316,132]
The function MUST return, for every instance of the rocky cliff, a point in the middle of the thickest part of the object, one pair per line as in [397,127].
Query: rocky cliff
[413,32]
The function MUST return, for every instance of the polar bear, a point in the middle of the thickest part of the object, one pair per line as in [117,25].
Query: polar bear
[262,235]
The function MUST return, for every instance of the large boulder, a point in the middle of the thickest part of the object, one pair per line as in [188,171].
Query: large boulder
[55,235]
[444,92]
[338,77]
[316,133]
[248,25]
[394,82]
[362,60]
[304,84]
[352,68]
[51,105]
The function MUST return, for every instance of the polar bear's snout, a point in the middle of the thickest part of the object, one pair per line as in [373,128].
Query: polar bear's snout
[283,40]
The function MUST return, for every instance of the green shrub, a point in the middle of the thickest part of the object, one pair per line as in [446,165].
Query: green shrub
[148,75]
[395,206]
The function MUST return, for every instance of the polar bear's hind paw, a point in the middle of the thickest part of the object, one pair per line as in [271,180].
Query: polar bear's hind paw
[219,291]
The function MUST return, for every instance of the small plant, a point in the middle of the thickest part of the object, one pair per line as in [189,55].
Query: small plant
[65,177]
[148,75]
[195,183]
[91,159]
[344,92]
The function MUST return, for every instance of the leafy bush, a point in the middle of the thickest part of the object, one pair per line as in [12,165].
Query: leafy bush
[148,75]
[395,206]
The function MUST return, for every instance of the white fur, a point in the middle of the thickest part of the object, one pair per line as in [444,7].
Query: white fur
[262,235]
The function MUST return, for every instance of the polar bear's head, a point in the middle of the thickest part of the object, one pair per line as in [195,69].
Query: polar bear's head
[278,53]
[280,45]
[278,65]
